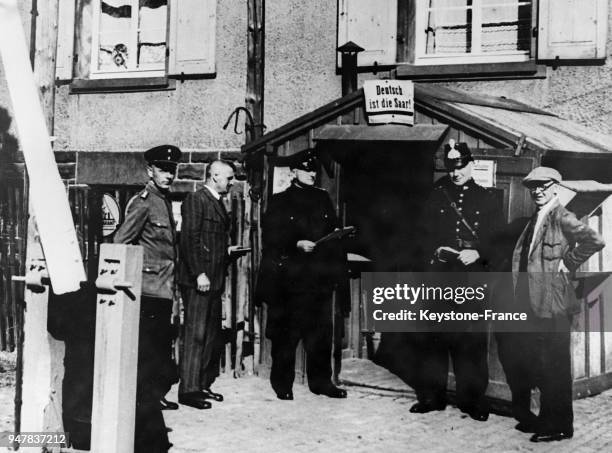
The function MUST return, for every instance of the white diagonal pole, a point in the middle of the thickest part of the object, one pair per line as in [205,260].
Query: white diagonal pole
[47,193]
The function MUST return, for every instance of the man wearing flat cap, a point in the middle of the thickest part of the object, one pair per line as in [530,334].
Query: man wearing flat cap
[149,223]
[553,244]
[459,220]
[298,277]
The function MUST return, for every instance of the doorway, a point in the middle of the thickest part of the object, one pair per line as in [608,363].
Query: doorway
[383,189]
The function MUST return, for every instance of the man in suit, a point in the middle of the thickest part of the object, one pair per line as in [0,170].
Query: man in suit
[300,277]
[459,220]
[149,223]
[204,257]
[553,244]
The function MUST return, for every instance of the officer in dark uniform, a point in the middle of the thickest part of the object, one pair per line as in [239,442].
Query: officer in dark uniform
[297,280]
[149,222]
[459,222]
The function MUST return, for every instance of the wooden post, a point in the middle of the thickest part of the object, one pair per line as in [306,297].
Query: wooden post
[255,105]
[116,354]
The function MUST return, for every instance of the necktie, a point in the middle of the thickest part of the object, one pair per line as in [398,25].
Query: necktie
[527,244]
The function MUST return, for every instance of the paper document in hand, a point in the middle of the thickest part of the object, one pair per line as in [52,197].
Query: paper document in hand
[447,254]
[336,234]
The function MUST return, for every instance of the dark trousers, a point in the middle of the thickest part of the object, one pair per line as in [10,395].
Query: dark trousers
[542,359]
[516,355]
[154,374]
[429,362]
[306,317]
[202,341]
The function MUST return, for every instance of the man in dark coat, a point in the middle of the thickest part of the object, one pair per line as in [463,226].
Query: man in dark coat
[553,244]
[204,258]
[298,277]
[459,221]
[149,223]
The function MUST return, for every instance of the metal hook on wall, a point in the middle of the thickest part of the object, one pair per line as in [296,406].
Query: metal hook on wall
[250,127]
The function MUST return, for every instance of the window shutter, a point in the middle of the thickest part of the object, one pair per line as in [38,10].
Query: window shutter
[192,37]
[371,25]
[65,39]
[572,29]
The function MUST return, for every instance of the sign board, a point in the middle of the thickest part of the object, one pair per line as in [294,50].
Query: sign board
[110,214]
[389,101]
[484,172]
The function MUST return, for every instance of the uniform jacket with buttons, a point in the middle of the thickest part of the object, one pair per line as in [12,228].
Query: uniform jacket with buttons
[149,222]
[295,214]
[442,226]
[560,237]
[204,239]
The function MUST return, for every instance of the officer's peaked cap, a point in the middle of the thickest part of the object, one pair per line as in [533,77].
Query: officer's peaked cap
[163,154]
[303,160]
[542,174]
[456,155]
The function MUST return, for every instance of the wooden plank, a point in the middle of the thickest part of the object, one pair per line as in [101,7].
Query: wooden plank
[48,197]
[386,132]
[471,70]
[116,350]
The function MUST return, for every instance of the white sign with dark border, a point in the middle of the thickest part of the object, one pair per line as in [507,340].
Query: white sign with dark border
[484,172]
[389,101]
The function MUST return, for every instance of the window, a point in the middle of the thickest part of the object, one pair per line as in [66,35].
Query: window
[414,33]
[135,39]
[129,38]
[473,31]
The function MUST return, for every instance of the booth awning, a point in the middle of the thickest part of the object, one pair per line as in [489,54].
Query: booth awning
[501,121]
[583,197]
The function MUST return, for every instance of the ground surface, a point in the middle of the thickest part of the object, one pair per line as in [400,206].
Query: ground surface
[374,417]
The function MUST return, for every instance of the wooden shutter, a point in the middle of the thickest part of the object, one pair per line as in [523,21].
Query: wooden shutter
[572,29]
[192,37]
[371,25]
[65,39]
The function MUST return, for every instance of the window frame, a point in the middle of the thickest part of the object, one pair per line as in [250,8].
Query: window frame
[97,74]
[421,58]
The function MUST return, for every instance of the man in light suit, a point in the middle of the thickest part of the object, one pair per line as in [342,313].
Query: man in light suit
[553,244]
[204,256]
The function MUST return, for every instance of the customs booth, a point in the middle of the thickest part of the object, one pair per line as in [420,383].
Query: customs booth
[379,176]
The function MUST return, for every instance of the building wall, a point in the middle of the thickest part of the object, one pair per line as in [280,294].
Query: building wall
[300,58]
[190,116]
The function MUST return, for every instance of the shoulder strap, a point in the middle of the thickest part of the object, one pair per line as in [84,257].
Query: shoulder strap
[460,214]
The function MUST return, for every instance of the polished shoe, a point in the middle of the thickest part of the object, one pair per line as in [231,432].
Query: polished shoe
[284,395]
[209,394]
[478,414]
[168,405]
[475,412]
[526,427]
[331,392]
[423,408]
[551,437]
[194,399]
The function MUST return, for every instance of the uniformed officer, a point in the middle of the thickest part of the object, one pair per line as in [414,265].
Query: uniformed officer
[298,277]
[459,221]
[149,222]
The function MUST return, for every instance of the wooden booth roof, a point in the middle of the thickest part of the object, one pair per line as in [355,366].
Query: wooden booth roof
[497,119]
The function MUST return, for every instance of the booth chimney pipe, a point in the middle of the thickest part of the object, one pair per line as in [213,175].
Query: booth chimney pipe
[349,53]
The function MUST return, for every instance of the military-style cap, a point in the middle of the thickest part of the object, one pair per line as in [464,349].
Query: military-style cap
[541,174]
[163,154]
[306,160]
[456,155]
